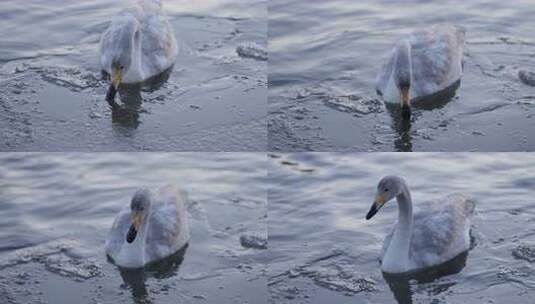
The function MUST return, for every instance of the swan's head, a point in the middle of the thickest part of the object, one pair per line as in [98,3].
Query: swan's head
[402,76]
[140,206]
[388,188]
[125,33]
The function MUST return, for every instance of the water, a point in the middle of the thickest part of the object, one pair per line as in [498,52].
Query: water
[322,250]
[325,55]
[55,211]
[52,95]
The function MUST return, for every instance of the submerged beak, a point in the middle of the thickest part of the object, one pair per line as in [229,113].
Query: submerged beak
[116,78]
[405,104]
[134,228]
[377,204]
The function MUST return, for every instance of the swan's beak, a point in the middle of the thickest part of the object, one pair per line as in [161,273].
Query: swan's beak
[405,104]
[377,204]
[116,78]
[134,228]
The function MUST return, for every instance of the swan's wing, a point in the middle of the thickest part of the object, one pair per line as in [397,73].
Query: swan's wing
[436,58]
[440,230]
[158,44]
[117,234]
[168,229]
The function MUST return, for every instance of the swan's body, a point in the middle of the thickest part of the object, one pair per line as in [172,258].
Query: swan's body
[423,64]
[139,43]
[152,227]
[434,236]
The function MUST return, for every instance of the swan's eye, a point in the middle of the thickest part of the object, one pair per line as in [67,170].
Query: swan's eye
[386,189]
[121,67]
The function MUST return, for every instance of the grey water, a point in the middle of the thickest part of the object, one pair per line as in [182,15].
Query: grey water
[56,209]
[325,55]
[52,92]
[322,250]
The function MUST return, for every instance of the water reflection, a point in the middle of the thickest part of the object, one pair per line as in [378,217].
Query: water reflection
[127,113]
[400,284]
[403,142]
[134,279]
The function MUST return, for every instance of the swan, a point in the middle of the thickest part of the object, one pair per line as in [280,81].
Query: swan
[426,62]
[138,44]
[434,236]
[153,226]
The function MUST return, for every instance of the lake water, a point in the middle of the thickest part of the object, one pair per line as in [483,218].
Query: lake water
[56,209]
[52,92]
[325,55]
[322,250]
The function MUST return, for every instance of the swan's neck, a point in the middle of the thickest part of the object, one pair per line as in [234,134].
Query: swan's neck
[133,254]
[135,72]
[396,258]
[403,65]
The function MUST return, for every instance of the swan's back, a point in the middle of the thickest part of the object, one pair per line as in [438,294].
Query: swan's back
[168,228]
[440,231]
[436,59]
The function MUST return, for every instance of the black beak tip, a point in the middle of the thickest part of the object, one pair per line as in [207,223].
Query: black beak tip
[110,95]
[372,212]
[406,112]
[131,235]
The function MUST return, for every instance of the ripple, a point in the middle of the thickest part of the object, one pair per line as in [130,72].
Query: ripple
[335,271]
[55,257]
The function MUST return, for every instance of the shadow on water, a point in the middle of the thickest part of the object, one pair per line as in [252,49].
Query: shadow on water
[400,284]
[402,127]
[127,113]
[135,279]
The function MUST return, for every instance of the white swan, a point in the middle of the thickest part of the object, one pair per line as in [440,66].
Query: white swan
[421,65]
[431,237]
[153,226]
[139,44]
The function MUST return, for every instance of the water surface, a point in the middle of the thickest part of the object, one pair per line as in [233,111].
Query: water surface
[322,250]
[56,209]
[325,55]
[52,95]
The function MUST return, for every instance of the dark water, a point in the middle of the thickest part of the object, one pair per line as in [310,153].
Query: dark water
[322,250]
[52,93]
[325,55]
[55,210]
